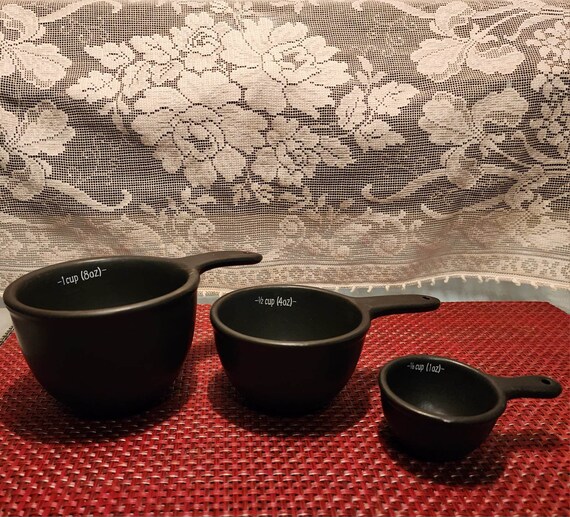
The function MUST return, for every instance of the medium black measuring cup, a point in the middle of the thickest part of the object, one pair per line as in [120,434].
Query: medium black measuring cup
[441,409]
[290,349]
[108,336]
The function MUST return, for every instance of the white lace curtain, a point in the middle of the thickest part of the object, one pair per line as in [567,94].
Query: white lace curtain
[363,143]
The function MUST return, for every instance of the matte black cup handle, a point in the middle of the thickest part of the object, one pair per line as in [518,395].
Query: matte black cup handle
[529,386]
[206,261]
[396,304]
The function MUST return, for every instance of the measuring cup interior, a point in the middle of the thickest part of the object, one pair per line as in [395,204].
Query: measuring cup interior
[101,283]
[291,314]
[442,388]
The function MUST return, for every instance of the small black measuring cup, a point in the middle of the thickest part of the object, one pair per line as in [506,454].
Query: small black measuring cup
[441,409]
[290,349]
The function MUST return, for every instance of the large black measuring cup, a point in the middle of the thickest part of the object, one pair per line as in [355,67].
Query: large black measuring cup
[108,336]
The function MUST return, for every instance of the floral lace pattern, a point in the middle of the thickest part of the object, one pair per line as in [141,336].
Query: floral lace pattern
[353,143]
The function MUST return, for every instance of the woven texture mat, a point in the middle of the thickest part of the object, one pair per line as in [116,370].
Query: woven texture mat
[203,453]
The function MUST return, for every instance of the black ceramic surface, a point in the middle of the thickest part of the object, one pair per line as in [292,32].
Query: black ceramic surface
[108,336]
[290,349]
[441,409]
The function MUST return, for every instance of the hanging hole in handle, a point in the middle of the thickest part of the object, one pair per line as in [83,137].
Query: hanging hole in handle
[545,381]
[426,297]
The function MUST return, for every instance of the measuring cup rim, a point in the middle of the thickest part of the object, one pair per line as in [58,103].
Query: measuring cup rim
[487,416]
[357,332]
[14,304]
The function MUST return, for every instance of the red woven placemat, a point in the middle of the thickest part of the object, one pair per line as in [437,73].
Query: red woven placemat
[202,453]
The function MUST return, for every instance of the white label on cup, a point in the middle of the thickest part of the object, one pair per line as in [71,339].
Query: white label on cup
[85,274]
[276,302]
[428,367]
